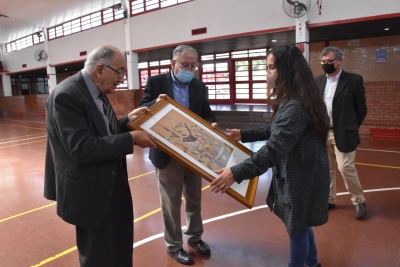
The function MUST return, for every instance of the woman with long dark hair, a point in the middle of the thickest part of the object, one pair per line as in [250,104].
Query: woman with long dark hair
[296,150]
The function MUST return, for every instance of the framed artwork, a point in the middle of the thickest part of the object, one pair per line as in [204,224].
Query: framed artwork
[192,141]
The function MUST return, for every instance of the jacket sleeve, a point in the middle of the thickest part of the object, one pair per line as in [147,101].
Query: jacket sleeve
[257,134]
[149,97]
[289,124]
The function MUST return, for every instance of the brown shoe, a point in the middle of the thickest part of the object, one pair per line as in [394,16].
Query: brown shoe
[360,210]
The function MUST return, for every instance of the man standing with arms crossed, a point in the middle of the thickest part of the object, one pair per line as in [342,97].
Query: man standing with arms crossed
[344,96]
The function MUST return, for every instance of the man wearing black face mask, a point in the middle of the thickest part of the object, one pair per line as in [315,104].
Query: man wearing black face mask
[344,96]
[173,178]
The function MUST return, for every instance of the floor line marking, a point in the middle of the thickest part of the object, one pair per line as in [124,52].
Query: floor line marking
[376,165]
[65,252]
[153,237]
[26,135]
[24,126]
[25,139]
[24,143]
[377,150]
[54,203]
[26,212]
[22,121]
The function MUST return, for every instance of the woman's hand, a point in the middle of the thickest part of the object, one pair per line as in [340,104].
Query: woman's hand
[223,181]
[235,134]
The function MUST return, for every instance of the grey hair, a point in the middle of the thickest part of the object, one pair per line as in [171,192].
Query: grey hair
[183,48]
[338,53]
[100,55]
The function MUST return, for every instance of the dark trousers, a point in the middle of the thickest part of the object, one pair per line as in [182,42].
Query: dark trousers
[111,243]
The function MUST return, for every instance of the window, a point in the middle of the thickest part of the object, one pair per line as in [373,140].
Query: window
[24,42]
[147,69]
[92,20]
[84,23]
[142,6]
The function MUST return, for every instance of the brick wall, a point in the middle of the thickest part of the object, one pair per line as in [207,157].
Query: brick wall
[32,107]
[383,101]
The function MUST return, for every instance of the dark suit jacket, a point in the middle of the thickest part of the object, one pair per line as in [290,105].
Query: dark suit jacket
[82,161]
[349,109]
[198,103]
[299,190]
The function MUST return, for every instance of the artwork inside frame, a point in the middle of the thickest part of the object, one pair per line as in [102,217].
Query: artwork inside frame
[192,141]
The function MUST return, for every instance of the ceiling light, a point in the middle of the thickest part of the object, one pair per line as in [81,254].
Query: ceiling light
[386,29]
[274,41]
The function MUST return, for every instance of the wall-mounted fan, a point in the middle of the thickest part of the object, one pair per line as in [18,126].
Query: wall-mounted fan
[297,8]
[40,55]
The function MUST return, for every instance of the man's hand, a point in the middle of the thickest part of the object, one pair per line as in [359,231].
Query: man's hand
[161,96]
[143,139]
[136,112]
[214,125]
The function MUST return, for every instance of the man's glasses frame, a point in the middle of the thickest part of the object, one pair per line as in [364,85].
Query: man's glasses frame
[187,67]
[329,61]
[120,74]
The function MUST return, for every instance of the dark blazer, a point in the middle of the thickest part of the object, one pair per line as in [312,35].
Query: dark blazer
[349,109]
[198,103]
[299,189]
[82,161]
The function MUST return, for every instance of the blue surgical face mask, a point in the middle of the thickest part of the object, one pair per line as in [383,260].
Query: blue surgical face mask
[184,76]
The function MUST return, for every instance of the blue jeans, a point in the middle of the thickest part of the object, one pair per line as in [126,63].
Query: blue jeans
[303,249]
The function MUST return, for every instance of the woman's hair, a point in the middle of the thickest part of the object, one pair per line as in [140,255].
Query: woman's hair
[101,55]
[295,80]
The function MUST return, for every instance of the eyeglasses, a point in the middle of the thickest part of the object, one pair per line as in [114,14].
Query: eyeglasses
[188,67]
[119,73]
[329,61]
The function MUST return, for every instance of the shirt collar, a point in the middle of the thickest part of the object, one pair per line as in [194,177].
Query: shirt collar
[94,91]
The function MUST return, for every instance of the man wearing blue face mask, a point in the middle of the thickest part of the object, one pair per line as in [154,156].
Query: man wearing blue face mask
[173,178]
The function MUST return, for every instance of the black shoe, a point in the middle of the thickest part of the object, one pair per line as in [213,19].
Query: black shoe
[360,210]
[201,247]
[318,265]
[181,256]
[331,206]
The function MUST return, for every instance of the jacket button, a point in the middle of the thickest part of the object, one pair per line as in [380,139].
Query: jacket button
[110,192]
[113,173]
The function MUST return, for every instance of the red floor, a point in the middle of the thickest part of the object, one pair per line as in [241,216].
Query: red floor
[31,234]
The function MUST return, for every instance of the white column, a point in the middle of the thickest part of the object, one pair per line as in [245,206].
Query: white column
[302,36]
[131,58]
[51,71]
[51,77]
[6,79]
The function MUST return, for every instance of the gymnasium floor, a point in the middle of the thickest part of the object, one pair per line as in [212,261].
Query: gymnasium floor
[31,234]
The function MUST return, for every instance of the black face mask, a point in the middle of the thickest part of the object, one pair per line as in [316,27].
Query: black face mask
[329,68]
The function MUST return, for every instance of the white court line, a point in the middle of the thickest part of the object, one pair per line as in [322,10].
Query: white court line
[151,238]
[19,140]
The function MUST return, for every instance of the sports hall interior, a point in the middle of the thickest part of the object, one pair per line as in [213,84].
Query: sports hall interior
[232,38]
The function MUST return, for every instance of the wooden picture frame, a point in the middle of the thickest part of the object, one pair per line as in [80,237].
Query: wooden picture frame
[192,141]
